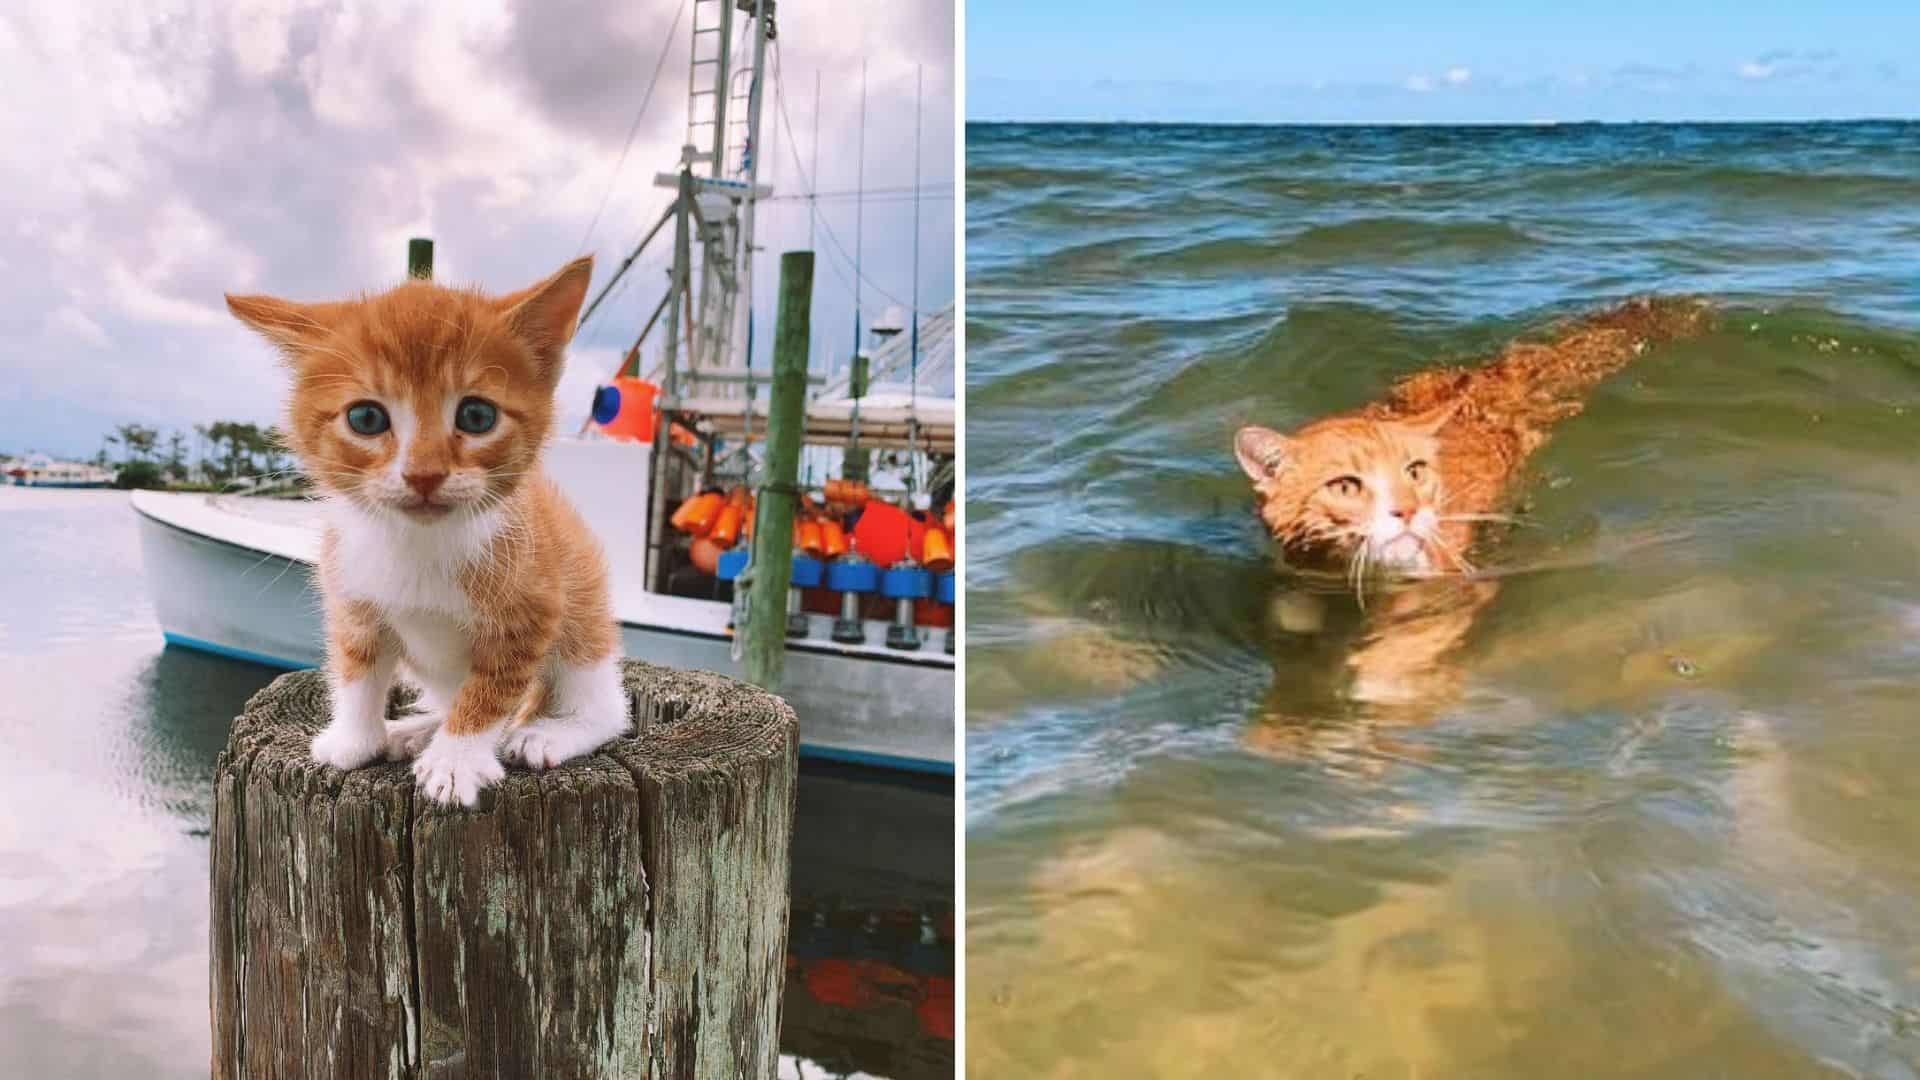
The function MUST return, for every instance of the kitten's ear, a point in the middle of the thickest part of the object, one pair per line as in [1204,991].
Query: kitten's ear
[1262,452]
[289,325]
[543,315]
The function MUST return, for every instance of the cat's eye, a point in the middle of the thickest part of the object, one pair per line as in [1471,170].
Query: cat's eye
[1417,470]
[367,418]
[476,416]
[1348,486]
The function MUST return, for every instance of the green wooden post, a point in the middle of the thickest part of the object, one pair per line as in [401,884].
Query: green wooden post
[420,258]
[766,628]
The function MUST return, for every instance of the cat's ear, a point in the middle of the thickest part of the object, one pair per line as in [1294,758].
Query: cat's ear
[291,326]
[542,316]
[1430,422]
[1262,452]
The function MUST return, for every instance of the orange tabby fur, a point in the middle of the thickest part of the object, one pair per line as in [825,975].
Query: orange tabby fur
[1402,483]
[527,604]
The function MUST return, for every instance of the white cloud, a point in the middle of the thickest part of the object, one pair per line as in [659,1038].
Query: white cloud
[1755,69]
[1423,83]
[292,146]
[73,322]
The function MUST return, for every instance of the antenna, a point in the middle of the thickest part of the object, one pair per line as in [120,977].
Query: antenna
[859,209]
[813,188]
[913,369]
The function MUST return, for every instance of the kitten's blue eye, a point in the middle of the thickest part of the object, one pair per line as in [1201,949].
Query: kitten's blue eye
[367,418]
[476,416]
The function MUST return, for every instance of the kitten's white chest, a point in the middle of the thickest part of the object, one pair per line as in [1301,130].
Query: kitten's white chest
[435,645]
[414,576]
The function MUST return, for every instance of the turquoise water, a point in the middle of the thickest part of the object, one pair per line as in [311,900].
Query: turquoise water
[1666,826]
[107,748]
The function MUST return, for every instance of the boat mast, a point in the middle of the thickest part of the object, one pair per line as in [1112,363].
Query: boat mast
[750,166]
[713,207]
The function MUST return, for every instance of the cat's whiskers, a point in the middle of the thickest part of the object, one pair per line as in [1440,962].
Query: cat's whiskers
[1439,544]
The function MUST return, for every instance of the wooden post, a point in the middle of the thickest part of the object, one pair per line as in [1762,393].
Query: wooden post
[420,258]
[766,645]
[623,915]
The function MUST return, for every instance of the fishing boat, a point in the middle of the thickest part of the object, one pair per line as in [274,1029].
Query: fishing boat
[666,469]
[39,470]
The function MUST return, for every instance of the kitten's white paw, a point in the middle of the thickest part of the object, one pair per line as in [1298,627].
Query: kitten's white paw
[453,768]
[406,738]
[347,746]
[550,741]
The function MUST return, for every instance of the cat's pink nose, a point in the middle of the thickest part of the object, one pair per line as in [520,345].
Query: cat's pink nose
[425,484]
[1400,513]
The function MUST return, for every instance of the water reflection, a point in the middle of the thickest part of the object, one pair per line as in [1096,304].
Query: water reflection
[870,962]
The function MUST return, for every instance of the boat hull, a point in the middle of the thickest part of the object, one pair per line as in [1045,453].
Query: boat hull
[261,607]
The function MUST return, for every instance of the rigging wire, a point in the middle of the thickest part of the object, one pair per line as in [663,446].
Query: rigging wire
[666,46]
[786,121]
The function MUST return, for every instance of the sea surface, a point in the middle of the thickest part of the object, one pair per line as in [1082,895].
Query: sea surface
[1670,825]
[107,748]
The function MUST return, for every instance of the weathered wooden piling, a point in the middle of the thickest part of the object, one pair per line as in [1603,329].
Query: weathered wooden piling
[623,915]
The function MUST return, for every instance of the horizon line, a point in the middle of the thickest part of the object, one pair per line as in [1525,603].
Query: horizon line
[1449,123]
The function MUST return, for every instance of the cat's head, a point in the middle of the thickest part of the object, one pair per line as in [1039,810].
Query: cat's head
[423,401]
[1351,493]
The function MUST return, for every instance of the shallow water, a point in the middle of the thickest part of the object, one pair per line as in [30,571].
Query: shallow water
[107,748]
[1666,825]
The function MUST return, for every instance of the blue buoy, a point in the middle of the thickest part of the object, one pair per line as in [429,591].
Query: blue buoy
[606,404]
[855,577]
[943,588]
[807,571]
[732,561]
[906,583]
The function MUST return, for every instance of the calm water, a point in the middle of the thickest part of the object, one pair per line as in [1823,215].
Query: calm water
[1668,828]
[107,745]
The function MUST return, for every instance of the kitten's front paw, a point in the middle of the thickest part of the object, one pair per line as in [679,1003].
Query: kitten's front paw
[453,768]
[547,742]
[346,746]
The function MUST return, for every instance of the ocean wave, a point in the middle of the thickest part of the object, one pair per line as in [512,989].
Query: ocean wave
[1361,240]
[1724,182]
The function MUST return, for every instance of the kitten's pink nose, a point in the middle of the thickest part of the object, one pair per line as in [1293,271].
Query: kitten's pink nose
[425,484]
[1402,514]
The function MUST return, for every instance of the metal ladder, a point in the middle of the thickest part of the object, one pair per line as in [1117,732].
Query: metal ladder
[707,80]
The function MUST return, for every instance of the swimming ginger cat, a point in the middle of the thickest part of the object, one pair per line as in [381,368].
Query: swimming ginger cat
[420,413]
[1397,488]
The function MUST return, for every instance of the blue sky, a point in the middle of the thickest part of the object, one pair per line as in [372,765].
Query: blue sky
[1243,61]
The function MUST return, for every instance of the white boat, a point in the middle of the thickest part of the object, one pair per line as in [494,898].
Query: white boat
[39,470]
[233,575]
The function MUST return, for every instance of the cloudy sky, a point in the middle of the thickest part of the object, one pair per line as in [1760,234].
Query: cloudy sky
[162,153]
[1413,61]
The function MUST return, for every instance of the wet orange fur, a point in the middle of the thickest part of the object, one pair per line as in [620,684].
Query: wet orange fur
[1475,428]
[1475,425]
[540,590]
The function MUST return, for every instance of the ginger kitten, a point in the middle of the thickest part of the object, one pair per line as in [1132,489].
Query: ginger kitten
[1396,488]
[421,413]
